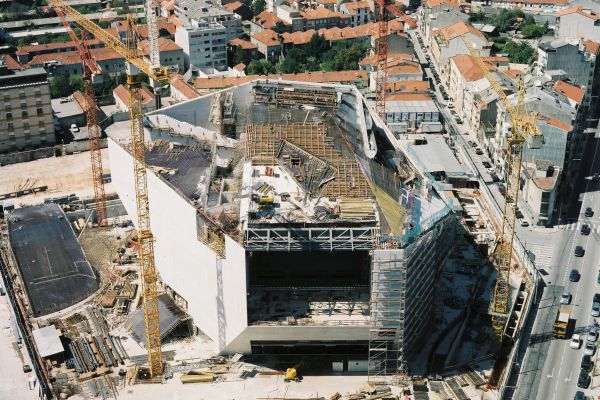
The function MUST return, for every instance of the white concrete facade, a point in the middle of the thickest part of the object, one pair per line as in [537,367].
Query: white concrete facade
[204,44]
[184,263]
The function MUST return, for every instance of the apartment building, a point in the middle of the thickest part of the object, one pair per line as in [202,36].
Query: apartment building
[359,12]
[578,23]
[25,109]
[198,11]
[204,45]
[529,5]
[448,42]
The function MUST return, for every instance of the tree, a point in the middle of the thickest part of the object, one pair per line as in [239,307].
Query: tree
[520,53]
[237,56]
[76,83]
[258,6]
[260,67]
[59,87]
[317,46]
[293,62]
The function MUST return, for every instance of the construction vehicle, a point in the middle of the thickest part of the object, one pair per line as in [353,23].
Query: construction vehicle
[136,63]
[561,324]
[291,374]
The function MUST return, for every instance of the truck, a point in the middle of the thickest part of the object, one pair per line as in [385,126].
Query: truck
[561,324]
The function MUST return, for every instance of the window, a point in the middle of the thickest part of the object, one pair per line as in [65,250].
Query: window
[23,104]
[24,113]
[40,111]
[8,115]
[40,123]
[6,97]
[10,125]
[21,94]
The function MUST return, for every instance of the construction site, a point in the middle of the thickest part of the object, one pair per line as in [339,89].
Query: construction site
[291,229]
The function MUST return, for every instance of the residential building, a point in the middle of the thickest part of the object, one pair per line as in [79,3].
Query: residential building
[578,23]
[121,96]
[181,90]
[540,190]
[448,42]
[429,7]
[204,45]
[291,16]
[249,50]
[269,43]
[442,19]
[576,62]
[323,18]
[331,5]
[26,53]
[268,20]
[171,55]
[25,109]
[241,9]
[359,12]
[200,10]
[474,96]
[530,5]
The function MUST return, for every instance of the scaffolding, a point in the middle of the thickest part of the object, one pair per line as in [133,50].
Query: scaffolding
[386,331]
[305,96]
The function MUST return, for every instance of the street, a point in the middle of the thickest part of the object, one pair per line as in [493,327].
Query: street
[550,368]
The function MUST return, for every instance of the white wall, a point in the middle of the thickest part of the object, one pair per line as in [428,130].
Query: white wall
[184,263]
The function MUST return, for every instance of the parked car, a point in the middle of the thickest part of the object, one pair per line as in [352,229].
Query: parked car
[478,151]
[518,214]
[74,128]
[595,309]
[590,348]
[585,229]
[592,335]
[579,395]
[584,380]
[575,342]
[589,212]
[565,298]
[574,276]
[458,120]
[450,105]
[524,223]
[487,164]
[598,278]
[472,143]
[579,251]
[586,363]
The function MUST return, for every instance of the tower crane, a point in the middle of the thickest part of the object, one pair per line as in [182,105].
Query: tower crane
[523,130]
[90,69]
[135,64]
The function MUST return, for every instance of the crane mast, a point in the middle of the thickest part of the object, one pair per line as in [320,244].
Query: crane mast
[90,69]
[135,64]
[382,54]
[523,130]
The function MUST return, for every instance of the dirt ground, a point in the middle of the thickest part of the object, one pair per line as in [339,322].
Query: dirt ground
[63,175]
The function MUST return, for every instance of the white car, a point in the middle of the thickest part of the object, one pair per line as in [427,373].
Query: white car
[575,342]
[74,128]
[565,298]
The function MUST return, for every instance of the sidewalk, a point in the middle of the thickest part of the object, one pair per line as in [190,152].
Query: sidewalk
[13,382]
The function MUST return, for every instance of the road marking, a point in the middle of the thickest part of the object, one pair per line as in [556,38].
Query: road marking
[569,378]
[551,374]
[543,254]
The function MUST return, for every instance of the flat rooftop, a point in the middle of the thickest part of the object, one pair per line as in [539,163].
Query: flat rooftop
[53,266]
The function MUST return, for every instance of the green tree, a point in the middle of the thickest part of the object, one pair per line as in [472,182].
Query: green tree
[316,46]
[260,67]
[293,62]
[344,57]
[237,56]
[59,87]
[520,53]
[75,83]
[258,6]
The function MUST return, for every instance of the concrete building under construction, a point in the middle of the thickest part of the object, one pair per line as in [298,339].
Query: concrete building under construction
[291,224]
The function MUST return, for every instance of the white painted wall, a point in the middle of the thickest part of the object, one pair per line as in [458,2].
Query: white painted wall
[184,263]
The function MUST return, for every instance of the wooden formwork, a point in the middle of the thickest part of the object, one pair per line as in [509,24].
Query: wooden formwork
[262,143]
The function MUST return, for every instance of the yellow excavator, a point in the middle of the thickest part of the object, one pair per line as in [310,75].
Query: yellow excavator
[291,374]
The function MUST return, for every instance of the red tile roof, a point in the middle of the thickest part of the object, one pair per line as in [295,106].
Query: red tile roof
[572,92]
[244,44]
[591,46]
[469,68]
[553,2]
[578,10]
[234,5]
[322,13]
[184,88]
[434,3]
[268,20]
[11,63]
[456,30]
[565,126]
[421,87]
[315,77]
[164,44]
[268,37]
[123,94]
[353,6]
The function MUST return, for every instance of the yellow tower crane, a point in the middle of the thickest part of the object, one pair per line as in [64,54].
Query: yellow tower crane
[523,130]
[135,64]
